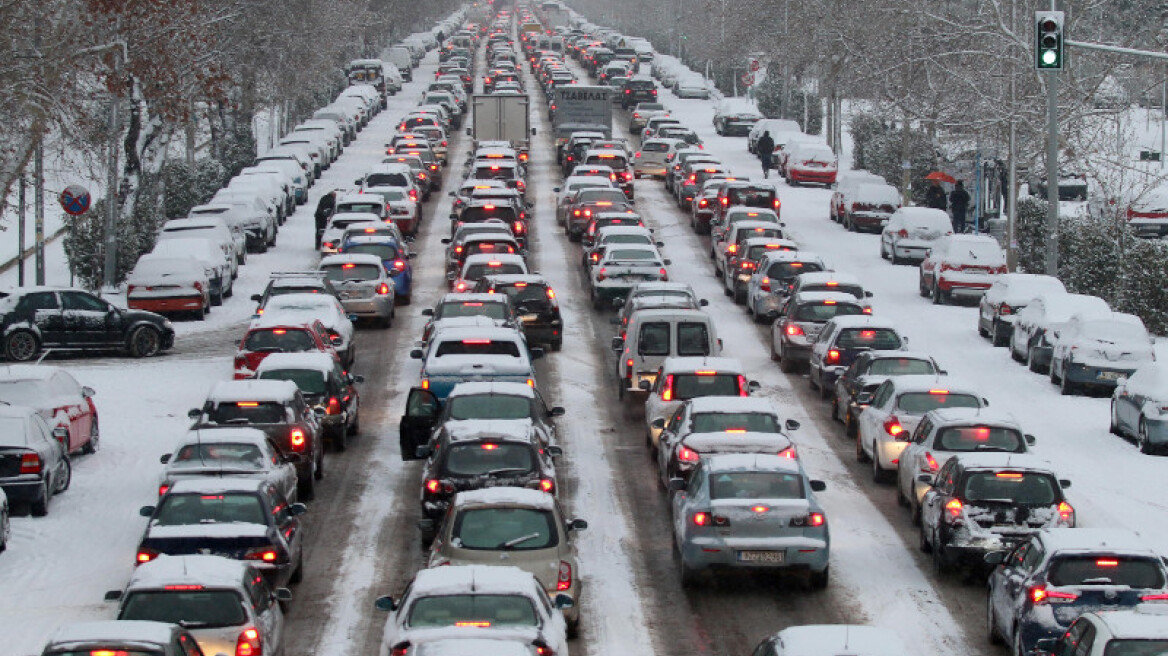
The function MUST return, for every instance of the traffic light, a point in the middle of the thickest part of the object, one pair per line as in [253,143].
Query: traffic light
[1048,40]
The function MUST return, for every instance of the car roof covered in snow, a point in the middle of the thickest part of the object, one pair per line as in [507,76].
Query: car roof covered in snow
[726,441]
[1010,461]
[479,579]
[699,363]
[120,632]
[649,287]
[466,430]
[209,571]
[835,639]
[927,382]
[795,256]
[350,258]
[967,416]
[650,314]
[233,391]
[486,387]
[820,277]
[511,496]
[216,485]
[486,329]
[1095,540]
[725,404]
[819,297]
[510,278]
[749,462]
[314,361]
[472,297]
[222,436]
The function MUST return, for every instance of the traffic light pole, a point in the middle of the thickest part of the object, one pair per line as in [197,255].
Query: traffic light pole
[1052,173]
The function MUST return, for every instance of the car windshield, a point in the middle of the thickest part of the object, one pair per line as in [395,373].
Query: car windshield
[228,454]
[475,610]
[527,295]
[1021,488]
[630,254]
[369,208]
[193,509]
[788,270]
[689,386]
[310,381]
[821,311]
[868,338]
[1135,647]
[487,458]
[32,393]
[756,485]
[980,438]
[750,197]
[192,609]
[1106,569]
[510,529]
[383,251]
[496,311]
[281,340]
[478,347]
[900,367]
[351,271]
[247,412]
[489,406]
[716,422]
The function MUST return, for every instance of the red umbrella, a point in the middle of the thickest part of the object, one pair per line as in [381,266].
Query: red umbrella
[941,177]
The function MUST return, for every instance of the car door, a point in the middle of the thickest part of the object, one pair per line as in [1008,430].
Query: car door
[51,449]
[815,360]
[543,419]
[1003,586]
[931,505]
[285,522]
[422,410]
[70,403]
[284,472]
[269,617]
[872,418]
[85,318]
[43,310]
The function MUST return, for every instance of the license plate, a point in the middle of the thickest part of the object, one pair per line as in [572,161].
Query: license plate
[1109,375]
[529,318]
[761,556]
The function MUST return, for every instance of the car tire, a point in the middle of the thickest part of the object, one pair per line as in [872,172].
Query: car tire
[1066,387]
[145,342]
[306,488]
[318,473]
[687,574]
[923,542]
[40,507]
[404,299]
[924,291]
[1031,362]
[787,365]
[879,474]
[339,440]
[1014,355]
[5,531]
[21,346]
[1142,438]
[981,331]
[938,295]
[850,426]
[992,635]
[861,456]
[893,258]
[998,336]
[901,500]
[298,573]
[90,447]
[217,298]
[1113,424]
[558,344]
[938,563]
[385,322]
[811,380]
[835,416]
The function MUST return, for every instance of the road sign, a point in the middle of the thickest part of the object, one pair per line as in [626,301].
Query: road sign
[754,65]
[748,79]
[75,200]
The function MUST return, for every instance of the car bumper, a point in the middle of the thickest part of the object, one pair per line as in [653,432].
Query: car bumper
[715,552]
[798,353]
[164,305]
[971,550]
[654,170]
[965,288]
[766,303]
[869,220]
[543,332]
[813,176]
[381,306]
[1093,376]
[889,452]
[23,489]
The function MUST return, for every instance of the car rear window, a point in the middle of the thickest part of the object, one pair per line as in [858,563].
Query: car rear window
[477,271]
[640,84]
[383,251]
[308,381]
[529,295]
[918,403]
[900,367]
[1014,487]
[194,609]
[979,438]
[471,309]
[693,339]
[489,406]
[478,347]
[370,208]
[484,212]
[494,173]
[870,338]
[602,195]
[788,270]
[195,509]
[489,458]
[821,311]
[501,246]
[751,197]
[1106,570]
[510,529]
[351,271]
[716,422]
[654,339]
[688,386]
[482,610]
[248,412]
[630,254]
[757,251]
[615,162]
[756,485]
[218,453]
[387,180]
[279,340]
[655,147]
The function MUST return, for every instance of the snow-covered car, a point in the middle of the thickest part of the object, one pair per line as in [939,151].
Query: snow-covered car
[841,339]
[621,268]
[278,184]
[691,86]
[169,285]
[735,117]
[351,203]
[798,325]
[681,379]
[845,184]
[332,133]
[773,276]
[115,637]
[740,266]
[1037,590]
[208,254]
[393,253]
[651,335]
[752,512]
[247,214]
[729,249]
[987,502]
[1148,215]
[1139,407]
[363,284]
[325,386]
[485,264]
[911,232]
[810,163]
[281,334]
[475,352]
[525,528]
[58,397]
[239,518]
[960,266]
[650,159]
[1036,327]
[227,451]
[296,176]
[1112,632]
[941,434]
[771,125]
[1009,294]
[870,207]
[894,410]
[330,240]
[722,224]
[479,601]
[233,239]
[34,463]
[834,639]
[1095,351]
[293,282]
[226,604]
[278,409]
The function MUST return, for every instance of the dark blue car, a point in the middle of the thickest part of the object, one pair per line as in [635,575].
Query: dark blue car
[395,257]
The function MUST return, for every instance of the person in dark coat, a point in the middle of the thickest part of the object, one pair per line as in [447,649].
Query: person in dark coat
[766,150]
[935,197]
[324,210]
[959,203]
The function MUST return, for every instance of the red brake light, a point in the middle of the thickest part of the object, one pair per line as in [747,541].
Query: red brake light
[162,489]
[686,454]
[383,289]
[833,356]
[1040,595]
[547,485]
[30,463]
[930,464]
[892,426]
[667,393]
[954,508]
[743,386]
[701,519]
[564,581]
[1066,513]
[146,555]
[334,406]
[297,439]
[249,643]
[400,265]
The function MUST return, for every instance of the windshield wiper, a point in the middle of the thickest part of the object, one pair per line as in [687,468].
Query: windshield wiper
[507,470]
[517,541]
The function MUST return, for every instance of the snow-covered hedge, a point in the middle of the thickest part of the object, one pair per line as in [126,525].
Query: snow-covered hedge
[878,145]
[770,94]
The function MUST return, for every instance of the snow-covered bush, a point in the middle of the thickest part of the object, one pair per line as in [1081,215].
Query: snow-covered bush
[878,147]
[186,188]
[770,94]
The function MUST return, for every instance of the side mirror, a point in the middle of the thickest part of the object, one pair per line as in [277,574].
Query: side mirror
[428,312]
[113,595]
[88,392]
[423,451]
[1030,440]
[283,594]
[417,354]
[867,294]
[985,401]
[297,509]
[452,195]
[927,479]
[676,484]
[146,511]
[703,303]
[645,385]
[556,189]
[194,413]
[352,317]
[411,256]
[668,262]
[577,525]
[994,558]
[385,604]
[753,386]
[165,458]
[563,602]
[427,525]
[257,297]
[817,486]
[1065,483]
[617,344]
[450,276]
[658,423]
[791,425]
[557,411]
[554,451]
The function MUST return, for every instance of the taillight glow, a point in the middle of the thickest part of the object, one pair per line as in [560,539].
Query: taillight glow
[816,519]
[30,463]
[954,507]
[547,485]
[892,426]
[701,519]
[667,391]
[833,356]
[1066,513]
[686,454]
[1041,595]
[297,439]
[383,289]
[249,643]
[564,581]
[793,330]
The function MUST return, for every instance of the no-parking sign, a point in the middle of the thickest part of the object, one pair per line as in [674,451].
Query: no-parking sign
[75,200]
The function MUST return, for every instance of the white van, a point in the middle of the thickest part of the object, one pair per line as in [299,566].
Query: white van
[655,334]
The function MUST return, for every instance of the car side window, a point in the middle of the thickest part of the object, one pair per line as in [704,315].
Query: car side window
[1086,640]
[84,302]
[881,395]
[826,335]
[922,431]
[1033,557]
[695,482]
[945,478]
[188,646]
[1017,558]
[675,421]
[258,591]
[38,301]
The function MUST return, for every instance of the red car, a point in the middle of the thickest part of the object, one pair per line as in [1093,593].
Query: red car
[810,163]
[278,335]
[57,397]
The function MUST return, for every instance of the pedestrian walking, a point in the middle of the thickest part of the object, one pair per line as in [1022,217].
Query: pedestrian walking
[935,197]
[766,150]
[959,203]
[324,210]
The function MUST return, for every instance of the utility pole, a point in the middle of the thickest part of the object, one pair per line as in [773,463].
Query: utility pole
[20,205]
[110,265]
[1052,173]
[38,195]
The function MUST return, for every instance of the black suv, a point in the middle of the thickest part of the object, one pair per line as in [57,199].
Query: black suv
[294,282]
[535,302]
[35,318]
[638,90]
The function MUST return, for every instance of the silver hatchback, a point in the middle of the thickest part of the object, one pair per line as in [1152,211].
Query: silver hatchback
[364,286]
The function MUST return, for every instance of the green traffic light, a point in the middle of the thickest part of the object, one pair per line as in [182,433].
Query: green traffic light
[1050,58]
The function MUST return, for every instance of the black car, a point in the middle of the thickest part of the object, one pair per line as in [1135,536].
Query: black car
[638,90]
[238,518]
[294,282]
[535,303]
[33,463]
[854,388]
[324,384]
[36,318]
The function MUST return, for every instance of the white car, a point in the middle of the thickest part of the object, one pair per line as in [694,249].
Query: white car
[330,239]
[232,238]
[1095,351]
[1006,298]
[650,159]
[247,215]
[911,231]
[209,255]
[682,378]
[486,264]
[235,451]
[474,601]
[327,309]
